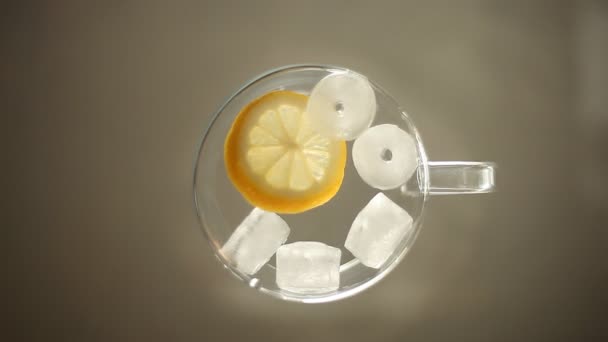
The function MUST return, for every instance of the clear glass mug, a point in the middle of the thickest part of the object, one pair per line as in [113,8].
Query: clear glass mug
[221,208]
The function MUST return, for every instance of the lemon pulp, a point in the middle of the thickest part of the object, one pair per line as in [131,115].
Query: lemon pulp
[277,161]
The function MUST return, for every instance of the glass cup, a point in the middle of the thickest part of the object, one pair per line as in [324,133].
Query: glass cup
[221,208]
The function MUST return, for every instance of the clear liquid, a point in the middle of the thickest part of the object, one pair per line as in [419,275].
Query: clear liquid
[330,222]
[221,207]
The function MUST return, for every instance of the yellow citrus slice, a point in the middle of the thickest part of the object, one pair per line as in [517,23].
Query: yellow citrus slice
[275,159]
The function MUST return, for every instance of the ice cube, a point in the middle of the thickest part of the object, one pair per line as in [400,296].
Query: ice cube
[255,240]
[385,156]
[377,231]
[342,105]
[308,267]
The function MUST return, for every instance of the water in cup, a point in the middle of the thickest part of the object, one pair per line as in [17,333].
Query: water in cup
[331,162]
[291,148]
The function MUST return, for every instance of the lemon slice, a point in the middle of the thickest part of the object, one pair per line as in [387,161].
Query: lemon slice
[277,161]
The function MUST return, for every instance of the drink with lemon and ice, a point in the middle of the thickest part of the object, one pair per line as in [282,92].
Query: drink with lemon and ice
[286,153]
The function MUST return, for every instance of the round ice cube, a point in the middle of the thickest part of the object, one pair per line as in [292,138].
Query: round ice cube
[385,156]
[342,105]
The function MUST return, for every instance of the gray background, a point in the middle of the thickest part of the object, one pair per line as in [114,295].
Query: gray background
[104,104]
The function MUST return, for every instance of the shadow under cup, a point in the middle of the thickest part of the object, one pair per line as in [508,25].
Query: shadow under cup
[221,208]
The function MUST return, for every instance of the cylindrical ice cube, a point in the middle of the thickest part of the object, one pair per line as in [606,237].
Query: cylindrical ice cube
[377,231]
[342,105]
[308,267]
[255,240]
[385,156]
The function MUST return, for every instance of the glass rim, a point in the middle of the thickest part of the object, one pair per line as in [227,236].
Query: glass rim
[330,296]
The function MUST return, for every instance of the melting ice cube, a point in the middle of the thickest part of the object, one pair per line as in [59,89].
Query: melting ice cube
[377,231]
[308,267]
[342,105]
[255,240]
[385,156]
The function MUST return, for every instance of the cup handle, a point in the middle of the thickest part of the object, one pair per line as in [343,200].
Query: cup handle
[458,177]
